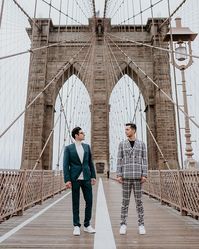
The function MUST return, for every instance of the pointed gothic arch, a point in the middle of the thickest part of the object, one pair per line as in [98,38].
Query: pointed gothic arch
[58,61]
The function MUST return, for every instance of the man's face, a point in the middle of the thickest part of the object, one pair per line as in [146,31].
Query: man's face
[80,136]
[129,131]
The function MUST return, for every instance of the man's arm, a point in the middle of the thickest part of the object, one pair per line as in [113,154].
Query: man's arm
[66,165]
[144,161]
[91,165]
[119,162]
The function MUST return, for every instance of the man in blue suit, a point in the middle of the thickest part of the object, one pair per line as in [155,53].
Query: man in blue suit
[79,172]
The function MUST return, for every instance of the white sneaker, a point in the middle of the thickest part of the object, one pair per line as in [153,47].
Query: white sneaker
[76,231]
[123,229]
[142,230]
[89,229]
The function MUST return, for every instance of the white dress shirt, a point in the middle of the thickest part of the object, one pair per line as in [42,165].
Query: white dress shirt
[80,152]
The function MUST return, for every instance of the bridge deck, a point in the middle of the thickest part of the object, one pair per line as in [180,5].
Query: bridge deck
[49,225]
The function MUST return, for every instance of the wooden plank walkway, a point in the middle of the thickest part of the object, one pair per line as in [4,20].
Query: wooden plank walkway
[166,229]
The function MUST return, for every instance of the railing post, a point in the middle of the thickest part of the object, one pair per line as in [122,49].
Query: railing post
[183,212]
[53,183]
[149,182]
[60,175]
[42,187]
[160,176]
[180,191]
[23,193]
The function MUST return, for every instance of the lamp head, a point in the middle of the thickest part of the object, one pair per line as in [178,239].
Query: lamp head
[180,33]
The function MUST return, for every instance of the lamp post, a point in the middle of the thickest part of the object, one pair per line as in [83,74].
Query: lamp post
[182,38]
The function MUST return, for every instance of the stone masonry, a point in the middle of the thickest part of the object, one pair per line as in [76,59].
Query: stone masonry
[56,61]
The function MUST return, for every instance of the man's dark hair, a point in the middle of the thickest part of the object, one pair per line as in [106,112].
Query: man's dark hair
[75,131]
[132,125]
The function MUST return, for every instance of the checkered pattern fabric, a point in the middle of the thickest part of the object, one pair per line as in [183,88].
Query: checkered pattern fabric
[127,186]
[132,162]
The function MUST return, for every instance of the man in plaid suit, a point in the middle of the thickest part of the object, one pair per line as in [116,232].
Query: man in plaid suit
[132,173]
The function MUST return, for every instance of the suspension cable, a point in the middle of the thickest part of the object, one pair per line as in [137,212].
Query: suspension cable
[81,9]
[84,76]
[139,13]
[165,161]
[60,120]
[1,13]
[156,143]
[88,8]
[39,48]
[60,11]
[70,62]
[26,14]
[35,9]
[66,102]
[105,8]
[170,15]
[151,46]
[152,81]
[176,90]
[118,68]
[94,9]
[141,117]
[114,7]
[51,133]
[117,9]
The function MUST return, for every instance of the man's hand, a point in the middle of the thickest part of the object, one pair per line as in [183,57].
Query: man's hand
[143,179]
[119,179]
[93,181]
[68,184]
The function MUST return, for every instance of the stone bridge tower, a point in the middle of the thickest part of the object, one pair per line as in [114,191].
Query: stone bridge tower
[57,63]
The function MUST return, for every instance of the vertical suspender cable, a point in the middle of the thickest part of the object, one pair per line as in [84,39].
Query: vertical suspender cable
[176,90]
[1,13]
[141,15]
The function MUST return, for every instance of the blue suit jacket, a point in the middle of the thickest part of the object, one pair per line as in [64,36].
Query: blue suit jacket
[72,165]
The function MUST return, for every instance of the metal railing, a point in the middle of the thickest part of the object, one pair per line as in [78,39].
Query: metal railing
[179,189]
[176,188]
[21,189]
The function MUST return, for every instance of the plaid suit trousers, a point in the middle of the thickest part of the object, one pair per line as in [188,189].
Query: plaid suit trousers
[127,186]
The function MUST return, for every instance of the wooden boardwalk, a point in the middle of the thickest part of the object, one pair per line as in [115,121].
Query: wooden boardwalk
[49,225]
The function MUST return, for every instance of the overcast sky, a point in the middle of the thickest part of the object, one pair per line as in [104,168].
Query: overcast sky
[14,71]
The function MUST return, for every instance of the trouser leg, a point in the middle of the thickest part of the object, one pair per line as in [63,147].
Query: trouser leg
[137,189]
[75,202]
[88,197]
[126,193]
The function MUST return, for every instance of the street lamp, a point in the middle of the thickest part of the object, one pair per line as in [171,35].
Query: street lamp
[182,38]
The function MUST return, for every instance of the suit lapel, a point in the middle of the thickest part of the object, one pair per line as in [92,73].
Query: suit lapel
[128,145]
[135,144]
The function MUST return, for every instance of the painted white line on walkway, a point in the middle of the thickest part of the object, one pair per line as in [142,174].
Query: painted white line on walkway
[104,235]
[17,228]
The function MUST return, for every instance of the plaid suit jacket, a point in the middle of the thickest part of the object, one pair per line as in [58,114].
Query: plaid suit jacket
[132,162]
